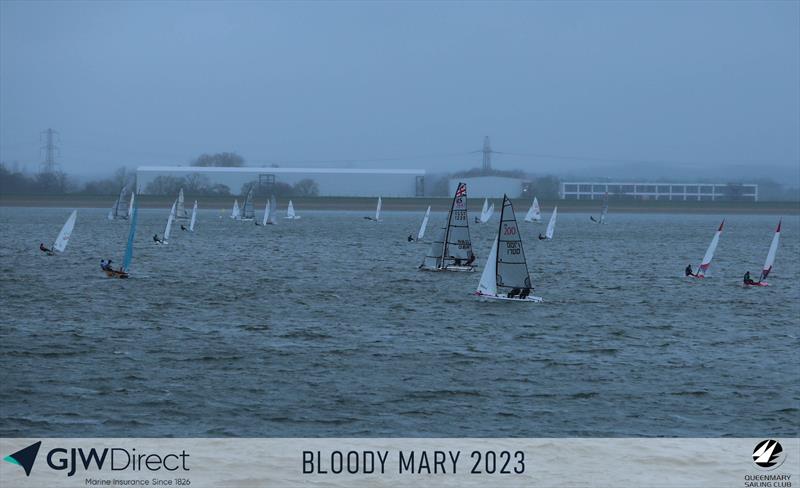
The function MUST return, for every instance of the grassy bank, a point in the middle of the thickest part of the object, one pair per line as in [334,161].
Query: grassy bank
[410,204]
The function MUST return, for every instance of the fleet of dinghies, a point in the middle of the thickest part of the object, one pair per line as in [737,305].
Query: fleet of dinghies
[452,249]
[505,275]
[534,213]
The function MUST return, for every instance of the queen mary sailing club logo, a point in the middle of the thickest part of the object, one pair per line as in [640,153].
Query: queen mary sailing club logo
[768,454]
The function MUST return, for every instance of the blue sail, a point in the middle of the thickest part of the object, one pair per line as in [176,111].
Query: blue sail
[126,262]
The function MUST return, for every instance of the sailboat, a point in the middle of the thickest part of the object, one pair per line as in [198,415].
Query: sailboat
[273,211]
[506,275]
[534,213]
[424,225]
[130,204]
[452,249]
[60,244]
[486,212]
[194,217]
[551,226]
[603,211]
[377,217]
[235,213]
[290,214]
[165,240]
[180,208]
[773,249]
[248,208]
[703,268]
[118,211]
[266,214]
[123,270]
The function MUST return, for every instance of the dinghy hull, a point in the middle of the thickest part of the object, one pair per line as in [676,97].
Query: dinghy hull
[529,298]
[458,269]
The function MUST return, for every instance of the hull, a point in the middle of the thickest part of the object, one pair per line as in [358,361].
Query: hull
[758,283]
[529,298]
[115,274]
[461,269]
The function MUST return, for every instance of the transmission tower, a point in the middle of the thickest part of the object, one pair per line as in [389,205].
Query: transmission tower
[50,148]
[487,155]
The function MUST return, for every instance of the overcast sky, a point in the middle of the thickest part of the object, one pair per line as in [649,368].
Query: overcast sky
[710,88]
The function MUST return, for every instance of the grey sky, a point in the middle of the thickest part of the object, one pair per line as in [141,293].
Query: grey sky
[714,85]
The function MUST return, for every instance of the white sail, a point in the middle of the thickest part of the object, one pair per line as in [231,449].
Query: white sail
[248,208]
[180,209]
[452,250]
[168,228]
[235,211]
[534,213]
[66,231]
[710,252]
[266,214]
[488,283]
[773,249]
[551,226]
[194,217]
[378,210]
[118,211]
[290,213]
[424,224]
[487,211]
[273,210]
[604,210]
[130,204]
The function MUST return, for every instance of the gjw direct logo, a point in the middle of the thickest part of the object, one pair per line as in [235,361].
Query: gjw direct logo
[768,454]
[115,459]
[25,457]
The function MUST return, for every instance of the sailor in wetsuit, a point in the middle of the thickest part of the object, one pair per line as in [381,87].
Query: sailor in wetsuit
[156,239]
[43,248]
[410,238]
[747,280]
[688,270]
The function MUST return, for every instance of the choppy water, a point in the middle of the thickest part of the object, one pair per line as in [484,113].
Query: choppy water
[324,327]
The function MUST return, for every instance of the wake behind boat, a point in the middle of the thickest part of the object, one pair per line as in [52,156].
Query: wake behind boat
[452,249]
[506,275]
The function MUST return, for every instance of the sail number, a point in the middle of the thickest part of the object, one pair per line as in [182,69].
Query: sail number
[513,247]
[460,214]
[462,244]
[510,231]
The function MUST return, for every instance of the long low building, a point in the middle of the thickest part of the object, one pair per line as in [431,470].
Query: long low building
[586,190]
[340,182]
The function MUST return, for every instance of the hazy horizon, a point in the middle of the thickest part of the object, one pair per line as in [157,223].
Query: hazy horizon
[612,89]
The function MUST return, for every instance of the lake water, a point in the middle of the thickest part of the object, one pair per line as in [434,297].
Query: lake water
[324,327]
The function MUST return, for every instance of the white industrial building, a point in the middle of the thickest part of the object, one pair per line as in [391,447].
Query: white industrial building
[587,190]
[340,182]
[490,186]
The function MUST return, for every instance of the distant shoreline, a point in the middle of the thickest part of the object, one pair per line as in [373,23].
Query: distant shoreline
[412,204]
